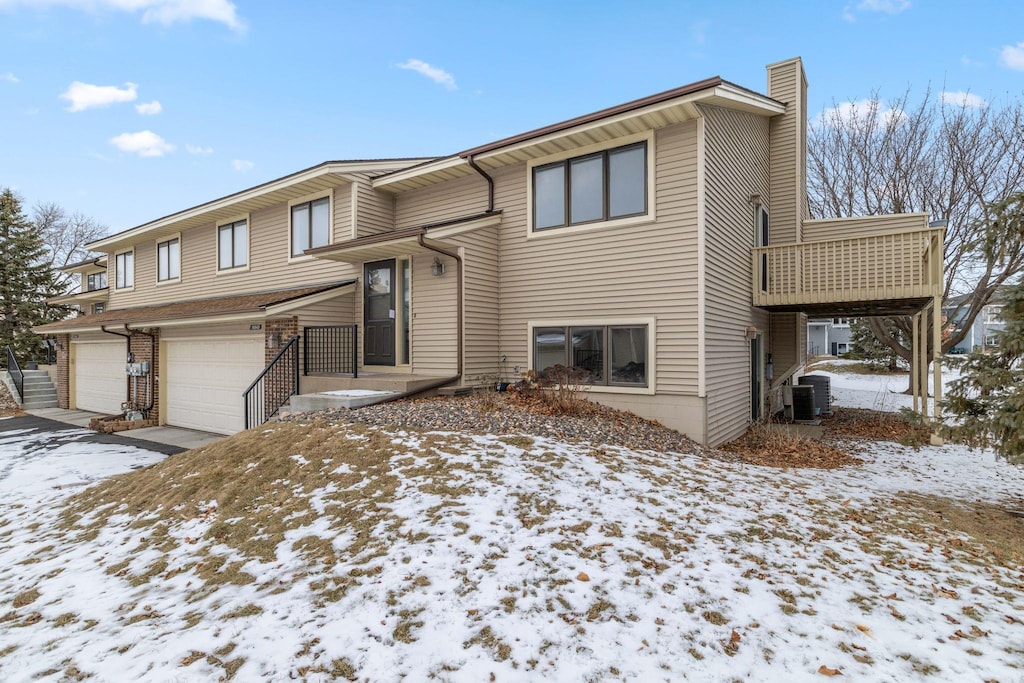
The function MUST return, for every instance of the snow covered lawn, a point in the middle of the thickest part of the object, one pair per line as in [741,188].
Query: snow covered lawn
[320,553]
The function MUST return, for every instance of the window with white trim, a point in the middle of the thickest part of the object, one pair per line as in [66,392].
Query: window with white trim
[233,245]
[610,355]
[124,269]
[98,308]
[591,188]
[168,260]
[762,236]
[311,225]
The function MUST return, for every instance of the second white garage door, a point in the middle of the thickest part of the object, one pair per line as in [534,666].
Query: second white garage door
[100,383]
[204,380]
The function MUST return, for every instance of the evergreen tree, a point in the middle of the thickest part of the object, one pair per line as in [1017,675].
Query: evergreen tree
[868,348]
[26,279]
[988,399]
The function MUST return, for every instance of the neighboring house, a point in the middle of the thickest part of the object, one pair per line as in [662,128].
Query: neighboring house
[985,329]
[828,336]
[633,242]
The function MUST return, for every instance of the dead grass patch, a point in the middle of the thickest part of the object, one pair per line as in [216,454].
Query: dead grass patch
[26,597]
[998,532]
[876,425]
[763,445]
[254,477]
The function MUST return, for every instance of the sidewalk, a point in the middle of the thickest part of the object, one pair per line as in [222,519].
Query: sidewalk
[179,437]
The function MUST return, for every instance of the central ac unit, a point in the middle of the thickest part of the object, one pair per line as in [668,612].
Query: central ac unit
[801,408]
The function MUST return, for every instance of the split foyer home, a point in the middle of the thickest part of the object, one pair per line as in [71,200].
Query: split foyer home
[663,246]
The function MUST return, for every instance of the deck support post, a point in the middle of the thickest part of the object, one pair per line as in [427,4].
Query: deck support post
[915,345]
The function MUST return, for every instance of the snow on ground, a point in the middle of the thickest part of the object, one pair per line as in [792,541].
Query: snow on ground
[475,558]
[875,392]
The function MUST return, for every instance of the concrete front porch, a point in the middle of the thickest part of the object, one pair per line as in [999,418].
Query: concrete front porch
[324,392]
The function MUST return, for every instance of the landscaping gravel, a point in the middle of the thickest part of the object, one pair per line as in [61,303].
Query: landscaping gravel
[496,414]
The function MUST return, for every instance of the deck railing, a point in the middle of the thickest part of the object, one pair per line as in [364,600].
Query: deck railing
[895,265]
[330,349]
[278,382]
[16,373]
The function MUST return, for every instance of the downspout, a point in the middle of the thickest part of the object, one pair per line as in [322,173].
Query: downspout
[458,297]
[489,179]
[152,361]
[128,354]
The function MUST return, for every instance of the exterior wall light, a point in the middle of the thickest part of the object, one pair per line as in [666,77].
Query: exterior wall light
[437,267]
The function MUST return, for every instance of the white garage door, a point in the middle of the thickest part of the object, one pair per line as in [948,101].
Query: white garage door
[204,380]
[100,383]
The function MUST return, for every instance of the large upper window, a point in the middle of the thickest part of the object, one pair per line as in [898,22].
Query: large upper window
[95,281]
[124,268]
[595,187]
[233,245]
[600,354]
[311,225]
[168,260]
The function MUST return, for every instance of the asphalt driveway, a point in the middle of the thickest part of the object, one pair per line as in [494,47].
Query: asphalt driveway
[50,434]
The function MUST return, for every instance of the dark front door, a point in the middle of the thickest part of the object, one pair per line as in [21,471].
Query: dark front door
[379,313]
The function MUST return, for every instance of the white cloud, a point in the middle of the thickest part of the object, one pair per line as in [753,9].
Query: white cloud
[199,150]
[241,165]
[884,6]
[84,96]
[967,61]
[10,78]
[434,73]
[862,112]
[145,143]
[164,12]
[1012,56]
[149,108]
[962,99]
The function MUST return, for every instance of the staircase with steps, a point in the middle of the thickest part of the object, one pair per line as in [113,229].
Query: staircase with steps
[39,390]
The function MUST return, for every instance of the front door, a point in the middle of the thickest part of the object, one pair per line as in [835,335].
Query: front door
[379,313]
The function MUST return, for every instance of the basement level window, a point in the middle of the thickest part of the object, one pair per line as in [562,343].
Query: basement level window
[610,355]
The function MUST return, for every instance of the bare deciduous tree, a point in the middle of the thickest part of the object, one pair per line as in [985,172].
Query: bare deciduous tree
[960,163]
[65,236]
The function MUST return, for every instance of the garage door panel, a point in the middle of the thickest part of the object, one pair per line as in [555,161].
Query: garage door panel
[204,380]
[100,383]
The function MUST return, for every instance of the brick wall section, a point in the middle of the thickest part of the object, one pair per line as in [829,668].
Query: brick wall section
[285,327]
[63,370]
[279,383]
[143,349]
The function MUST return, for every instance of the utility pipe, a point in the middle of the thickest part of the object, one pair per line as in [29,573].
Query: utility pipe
[150,393]
[458,297]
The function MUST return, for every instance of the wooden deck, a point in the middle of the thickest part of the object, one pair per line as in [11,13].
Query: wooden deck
[877,274]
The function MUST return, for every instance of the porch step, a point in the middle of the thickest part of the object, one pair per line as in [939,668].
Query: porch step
[39,390]
[314,384]
[342,398]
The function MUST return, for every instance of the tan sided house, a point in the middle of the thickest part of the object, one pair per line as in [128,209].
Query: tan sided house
[662,245]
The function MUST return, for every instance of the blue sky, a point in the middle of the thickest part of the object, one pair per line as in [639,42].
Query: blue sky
[128,110]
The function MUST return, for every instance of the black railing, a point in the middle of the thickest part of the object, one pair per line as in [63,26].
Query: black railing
[330,350]
[16,373]
[278,382]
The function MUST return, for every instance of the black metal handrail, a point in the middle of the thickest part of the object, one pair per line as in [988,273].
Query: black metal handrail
[16,374]
[330,349]
[278,382]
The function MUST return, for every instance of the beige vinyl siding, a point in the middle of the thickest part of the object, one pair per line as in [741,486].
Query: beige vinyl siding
[453,199]
[482,348]
[639,270]
[375,210]
[785,83]
[434,340]
[269,265]
[337,311]
[736,166]
[862,226]
[788,344]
